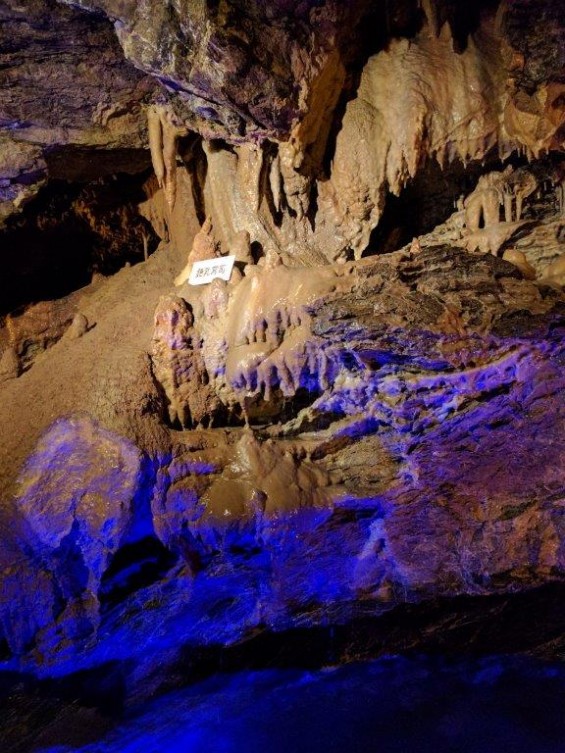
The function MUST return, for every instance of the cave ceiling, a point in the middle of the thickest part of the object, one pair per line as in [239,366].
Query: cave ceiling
[310,93]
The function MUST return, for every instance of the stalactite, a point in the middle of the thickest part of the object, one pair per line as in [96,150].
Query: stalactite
[170,136]
[163,138]
[156,143]
[296,185]
[275,180]
[430,11]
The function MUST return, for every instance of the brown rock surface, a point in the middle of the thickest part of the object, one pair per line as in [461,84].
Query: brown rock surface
[53,97]
[245,70]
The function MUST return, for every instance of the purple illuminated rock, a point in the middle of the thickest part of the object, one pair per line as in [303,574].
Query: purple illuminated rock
[81,483]
[429,465]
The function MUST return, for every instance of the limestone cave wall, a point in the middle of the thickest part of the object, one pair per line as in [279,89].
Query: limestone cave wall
[368,416]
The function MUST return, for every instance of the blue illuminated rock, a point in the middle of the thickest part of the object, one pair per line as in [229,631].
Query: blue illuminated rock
[425,462]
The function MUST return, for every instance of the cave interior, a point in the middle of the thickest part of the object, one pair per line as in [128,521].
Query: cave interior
[327,484]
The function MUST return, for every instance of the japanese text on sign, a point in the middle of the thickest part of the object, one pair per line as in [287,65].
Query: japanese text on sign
[205,271]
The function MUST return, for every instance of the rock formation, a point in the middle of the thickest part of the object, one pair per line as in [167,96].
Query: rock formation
[53,98]
[334,433]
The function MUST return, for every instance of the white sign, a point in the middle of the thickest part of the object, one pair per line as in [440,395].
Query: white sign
[205,271]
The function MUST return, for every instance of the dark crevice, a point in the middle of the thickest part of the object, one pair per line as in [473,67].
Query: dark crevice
[5,651]
[256,411]
[313,205]
[256,251]
[68,232]
[466,625]
[279,408]
[531,622]
[270,152]
[347,94]
[463,19]
[75,164]
[81,708]
[192,154]
[315,421]
[133,566]
[220,145]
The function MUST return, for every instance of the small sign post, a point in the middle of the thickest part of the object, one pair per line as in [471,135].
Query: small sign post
[205,271]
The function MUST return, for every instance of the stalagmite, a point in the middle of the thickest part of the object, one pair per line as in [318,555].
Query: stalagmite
[554,178]
[296,185]
[482,206]
[518,186]
[240,247]
[204,246]
[555,273]
[560,192]
[215,299]
[79,327]
[10,366]
[518,258]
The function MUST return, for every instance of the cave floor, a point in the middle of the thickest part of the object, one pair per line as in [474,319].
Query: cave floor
[395,704]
